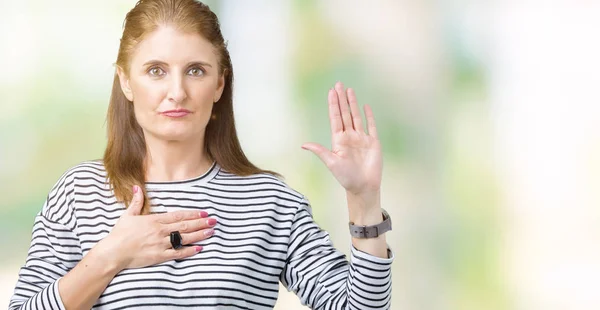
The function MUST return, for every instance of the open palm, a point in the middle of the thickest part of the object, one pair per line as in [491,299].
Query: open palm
[355,158]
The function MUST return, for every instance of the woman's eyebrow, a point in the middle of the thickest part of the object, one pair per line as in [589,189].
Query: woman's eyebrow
[160,62]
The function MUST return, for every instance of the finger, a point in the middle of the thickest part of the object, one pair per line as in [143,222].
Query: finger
[137,202]
[190,225]
[370,121]
[356,117]
[177,216]
[196,236]
[323,153]
[335,117]
[344,107]
[180,253]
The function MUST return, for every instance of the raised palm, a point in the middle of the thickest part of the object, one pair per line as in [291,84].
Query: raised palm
[355,158]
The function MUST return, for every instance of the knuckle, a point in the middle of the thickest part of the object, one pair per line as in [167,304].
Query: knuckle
[191,215]
[183,226]
[163,230]
[154,218]
[177,216]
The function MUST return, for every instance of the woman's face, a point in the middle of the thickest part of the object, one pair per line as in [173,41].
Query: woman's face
[177,72]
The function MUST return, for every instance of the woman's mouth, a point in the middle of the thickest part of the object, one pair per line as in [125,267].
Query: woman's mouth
[176,113]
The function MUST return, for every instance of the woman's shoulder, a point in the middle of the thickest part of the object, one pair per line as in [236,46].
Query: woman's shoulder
[62,193]
[88,168]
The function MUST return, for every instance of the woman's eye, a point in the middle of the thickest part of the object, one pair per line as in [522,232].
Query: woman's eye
[156,71]
[195,72]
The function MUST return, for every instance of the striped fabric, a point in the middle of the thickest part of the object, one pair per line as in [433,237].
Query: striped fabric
[265,234]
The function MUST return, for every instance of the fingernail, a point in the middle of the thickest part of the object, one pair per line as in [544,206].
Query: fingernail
[203,214]
[209,232]
[212,222]
[198,248]
[135,189]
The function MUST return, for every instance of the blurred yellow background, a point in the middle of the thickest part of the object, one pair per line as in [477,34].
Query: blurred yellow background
[488,112]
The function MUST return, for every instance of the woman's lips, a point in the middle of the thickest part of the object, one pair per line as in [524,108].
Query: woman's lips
[175,113]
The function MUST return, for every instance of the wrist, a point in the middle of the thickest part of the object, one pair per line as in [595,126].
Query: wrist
[368,217]
[106,253]
[370,231]
[364,209]
[364,200]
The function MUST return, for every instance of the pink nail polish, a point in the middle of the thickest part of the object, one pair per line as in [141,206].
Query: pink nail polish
[135,189]
[212,221]
[198,248]
[203,214]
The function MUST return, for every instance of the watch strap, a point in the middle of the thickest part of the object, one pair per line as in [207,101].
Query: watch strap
[371,231]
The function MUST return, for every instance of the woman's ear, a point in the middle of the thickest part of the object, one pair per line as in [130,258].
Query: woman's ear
[124,81]
[220,87]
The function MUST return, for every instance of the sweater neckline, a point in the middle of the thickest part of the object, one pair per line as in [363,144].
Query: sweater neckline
[199,180]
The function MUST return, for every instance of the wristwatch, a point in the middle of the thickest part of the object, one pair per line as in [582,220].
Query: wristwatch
[371,231]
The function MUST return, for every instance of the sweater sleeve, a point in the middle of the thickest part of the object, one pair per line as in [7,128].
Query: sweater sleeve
[322,277]
[54,251]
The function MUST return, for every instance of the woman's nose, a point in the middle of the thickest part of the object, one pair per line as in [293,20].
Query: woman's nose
[177,91]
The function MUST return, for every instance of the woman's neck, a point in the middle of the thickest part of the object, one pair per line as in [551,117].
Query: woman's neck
[168,161]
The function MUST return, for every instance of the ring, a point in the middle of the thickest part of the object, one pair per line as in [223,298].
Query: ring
[176,240]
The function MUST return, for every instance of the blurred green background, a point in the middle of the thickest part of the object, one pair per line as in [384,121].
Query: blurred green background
[486,110]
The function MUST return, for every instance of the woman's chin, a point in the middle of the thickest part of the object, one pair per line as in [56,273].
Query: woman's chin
[173,138]
[174,132]
[178,136]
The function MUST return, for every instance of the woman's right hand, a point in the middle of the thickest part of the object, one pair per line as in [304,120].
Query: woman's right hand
[143,240]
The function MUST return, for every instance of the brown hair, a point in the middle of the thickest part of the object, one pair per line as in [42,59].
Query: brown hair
[125,153]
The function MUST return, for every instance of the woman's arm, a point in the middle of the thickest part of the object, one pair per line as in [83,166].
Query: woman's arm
[54,275]
[315,270]
[48,279]
[371,216]
[356,161]
[322,277]
[81,287]
[53,252]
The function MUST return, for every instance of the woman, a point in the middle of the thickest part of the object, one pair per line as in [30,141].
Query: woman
[176,216]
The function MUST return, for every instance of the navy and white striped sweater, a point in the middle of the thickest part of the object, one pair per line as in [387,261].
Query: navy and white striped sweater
[265,234]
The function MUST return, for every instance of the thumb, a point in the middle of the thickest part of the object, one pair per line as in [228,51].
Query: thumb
[137,202]
[323,153]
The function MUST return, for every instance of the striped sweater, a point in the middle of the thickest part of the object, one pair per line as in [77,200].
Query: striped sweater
[265,234]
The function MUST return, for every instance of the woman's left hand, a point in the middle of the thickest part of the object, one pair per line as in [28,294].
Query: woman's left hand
[355,158]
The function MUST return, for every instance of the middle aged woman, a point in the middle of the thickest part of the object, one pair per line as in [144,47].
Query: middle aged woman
[176,216]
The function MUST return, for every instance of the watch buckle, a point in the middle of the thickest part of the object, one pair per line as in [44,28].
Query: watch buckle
[365,233]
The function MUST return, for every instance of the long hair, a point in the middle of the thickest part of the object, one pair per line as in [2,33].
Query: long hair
[124,157]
